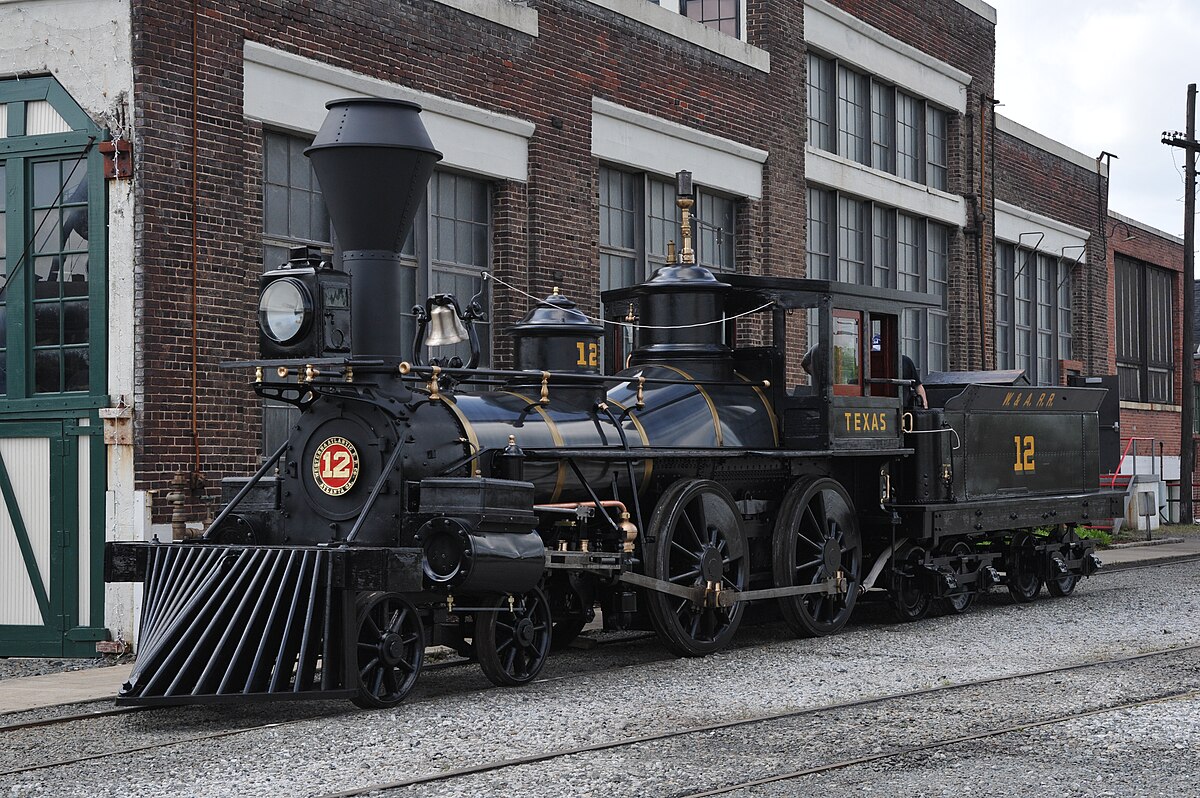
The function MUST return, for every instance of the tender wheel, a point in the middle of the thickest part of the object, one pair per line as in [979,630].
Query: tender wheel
[512,643]
[816,537]
[391,649]
[909,596]
[1064,585]
[1023,581]
[960,602]
[699,542]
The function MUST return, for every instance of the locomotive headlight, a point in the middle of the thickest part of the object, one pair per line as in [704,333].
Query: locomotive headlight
[285,309]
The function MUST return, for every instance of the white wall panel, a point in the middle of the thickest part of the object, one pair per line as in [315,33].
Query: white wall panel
[28,463]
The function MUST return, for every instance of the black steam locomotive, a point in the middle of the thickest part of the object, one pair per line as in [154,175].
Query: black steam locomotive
[491,511]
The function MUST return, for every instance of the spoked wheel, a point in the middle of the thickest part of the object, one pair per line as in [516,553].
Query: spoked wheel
[512,643]
[699,543]
[1064,584]
[909,596]
[816,537]
[1024,584]
[391,649]
[960,602]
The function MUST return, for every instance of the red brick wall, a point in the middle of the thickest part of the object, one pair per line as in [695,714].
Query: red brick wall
[545,230]
[1047,184]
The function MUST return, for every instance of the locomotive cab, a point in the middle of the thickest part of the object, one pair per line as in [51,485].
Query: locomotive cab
[847,393]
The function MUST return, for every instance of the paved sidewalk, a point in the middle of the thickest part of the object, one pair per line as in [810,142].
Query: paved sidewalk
[1163,549]
[34,692]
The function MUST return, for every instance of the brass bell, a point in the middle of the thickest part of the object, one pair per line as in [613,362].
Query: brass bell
[445,327]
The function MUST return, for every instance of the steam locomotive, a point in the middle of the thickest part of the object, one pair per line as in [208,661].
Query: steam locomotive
[492,511]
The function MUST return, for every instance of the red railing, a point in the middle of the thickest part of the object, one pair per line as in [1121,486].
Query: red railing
[1130,443]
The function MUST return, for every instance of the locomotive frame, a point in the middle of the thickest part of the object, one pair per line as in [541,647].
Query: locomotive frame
[492,510]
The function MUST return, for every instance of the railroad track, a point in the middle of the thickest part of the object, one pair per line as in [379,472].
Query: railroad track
[487,767]
[692,731]
[998,731]
[96,714]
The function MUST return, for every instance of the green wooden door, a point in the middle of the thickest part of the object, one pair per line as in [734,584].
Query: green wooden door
[40,540]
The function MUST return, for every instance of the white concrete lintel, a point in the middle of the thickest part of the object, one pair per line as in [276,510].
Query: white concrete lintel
[1057,148]
[289,91]
[632,138]
[679,26]
[981,8]
[853,41]
[845,175]
[1061,240]
[510,14]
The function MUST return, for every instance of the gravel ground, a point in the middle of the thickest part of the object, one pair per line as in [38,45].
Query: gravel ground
[1118,614]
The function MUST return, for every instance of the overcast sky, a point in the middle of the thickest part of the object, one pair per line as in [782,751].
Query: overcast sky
[1106,75]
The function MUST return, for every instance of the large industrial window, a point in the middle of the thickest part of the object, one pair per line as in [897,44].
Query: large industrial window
[293,210]
[1145,314]
[638,218]
[52,247]
[1032,312]
[446,252]
[872,122]
[874,244]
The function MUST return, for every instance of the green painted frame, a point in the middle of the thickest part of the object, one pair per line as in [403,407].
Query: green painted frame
[65,416]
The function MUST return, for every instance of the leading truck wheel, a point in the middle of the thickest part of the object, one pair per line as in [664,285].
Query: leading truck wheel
[816,538]
[699,542]
[512,639]
[391,649]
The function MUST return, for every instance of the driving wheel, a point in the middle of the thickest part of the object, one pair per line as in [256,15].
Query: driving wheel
[700,543]
[816,538]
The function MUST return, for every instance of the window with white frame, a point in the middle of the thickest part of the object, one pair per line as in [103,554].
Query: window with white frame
[1145,340]
[723,15]
[857,241]
[638,217]
[870,121]
[1032,311]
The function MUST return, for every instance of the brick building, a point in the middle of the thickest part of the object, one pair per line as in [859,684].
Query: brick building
[853,140]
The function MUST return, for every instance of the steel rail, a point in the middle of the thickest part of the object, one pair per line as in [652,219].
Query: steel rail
[998,731]
[490,767]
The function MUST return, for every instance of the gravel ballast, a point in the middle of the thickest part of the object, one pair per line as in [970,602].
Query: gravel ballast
[1113,615]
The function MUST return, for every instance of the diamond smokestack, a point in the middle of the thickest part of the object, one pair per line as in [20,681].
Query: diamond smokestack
[373,159]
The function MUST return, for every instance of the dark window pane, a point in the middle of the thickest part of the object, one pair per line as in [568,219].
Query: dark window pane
[47,371]
[75,322]
[275,210]
[46,183]
[75,275]
[276,159]
[47,316]
[75,174]
[76,367]
[47,232]
[3,372]
[3,191]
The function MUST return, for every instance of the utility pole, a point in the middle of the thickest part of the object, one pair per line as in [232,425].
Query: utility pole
[1186,449]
